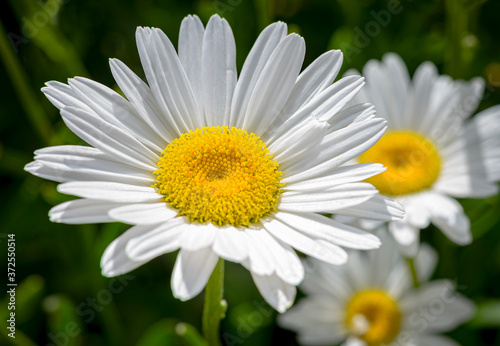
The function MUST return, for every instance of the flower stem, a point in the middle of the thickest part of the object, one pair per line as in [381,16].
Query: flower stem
[214,309]
[413,271]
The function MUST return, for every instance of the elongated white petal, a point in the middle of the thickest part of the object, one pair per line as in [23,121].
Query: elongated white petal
[342,175]
[112,192]
[218,71]
[113,108]
[275,291]
[146,242]
[321,227]
[143,214]
[448,215]
[190,53]
[109,138]
[142,99]
[329,200]
[255,62]
[275,84]
[191,272]
[82,211]
[231,244]
[329,253]
[75,163]
[199,236]
[62,95]
[378,208]
[339,147]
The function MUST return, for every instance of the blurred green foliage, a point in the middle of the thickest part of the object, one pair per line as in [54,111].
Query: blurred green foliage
[62,299]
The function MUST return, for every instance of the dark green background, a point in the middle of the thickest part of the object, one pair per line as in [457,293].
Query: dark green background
[58,265]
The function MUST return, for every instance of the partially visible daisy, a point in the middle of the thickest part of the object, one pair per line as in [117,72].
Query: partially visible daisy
[432,151]
[370,301]
[219,166]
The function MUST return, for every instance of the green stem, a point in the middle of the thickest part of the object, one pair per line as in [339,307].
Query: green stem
[23,88]
[215,307]
[413,271]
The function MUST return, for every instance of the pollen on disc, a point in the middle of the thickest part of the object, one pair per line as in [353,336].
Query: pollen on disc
[374,316]
[413,163]
[220,175]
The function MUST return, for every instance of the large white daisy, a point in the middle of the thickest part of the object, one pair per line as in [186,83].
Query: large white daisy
[219,166]
[370,301]
[432,151]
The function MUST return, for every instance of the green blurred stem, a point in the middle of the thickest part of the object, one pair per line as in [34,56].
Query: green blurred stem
[215,307]
[264,10]
[413,271]
[23,88]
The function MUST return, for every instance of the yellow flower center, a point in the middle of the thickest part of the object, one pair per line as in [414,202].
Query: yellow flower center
[374,317]
[412,162]
[219,175]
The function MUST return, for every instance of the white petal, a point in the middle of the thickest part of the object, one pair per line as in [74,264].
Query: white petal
[107,191]
[342,175]
[255,62]
[191,272]
[321,227]
[339,147]
[109,138]
[313,80]
[115,261]
[231,244]
[61,95]
[146,242]
[144,213]
[175,87]
[190,47]
[77,163]
[199,236]
[444,308]
[283,260]
[275,291]
[274,84]
[379,208]
[82,211]
[329,200]
[406,236]
[113,108]
[435,340]
[328,253]
[448,215]
[317,320]
[153,66]
[218,71]
[142,99]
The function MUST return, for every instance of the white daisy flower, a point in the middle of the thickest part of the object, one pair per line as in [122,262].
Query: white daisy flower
[431,150]
[370,301]
[219,166]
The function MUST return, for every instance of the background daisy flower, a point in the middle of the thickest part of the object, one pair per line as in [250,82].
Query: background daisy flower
[370,301]
[219,166]
[432,151]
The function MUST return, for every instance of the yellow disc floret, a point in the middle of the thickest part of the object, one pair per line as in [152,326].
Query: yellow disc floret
[412,162]
[219,175]
[374,317]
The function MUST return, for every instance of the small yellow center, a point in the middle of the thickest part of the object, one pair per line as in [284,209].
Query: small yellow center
[374,317]
[219,175]
[412,162]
